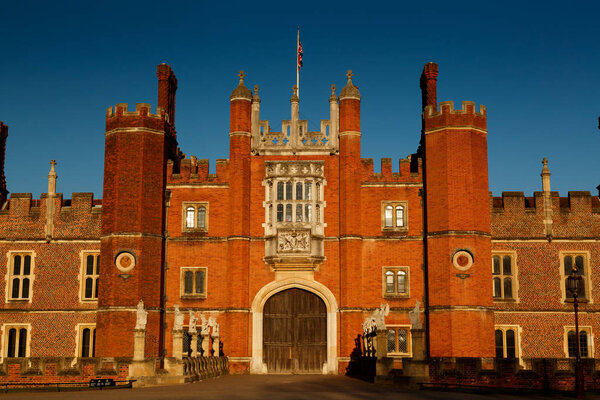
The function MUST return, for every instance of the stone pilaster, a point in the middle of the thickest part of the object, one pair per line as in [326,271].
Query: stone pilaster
[139,342]
[178,344]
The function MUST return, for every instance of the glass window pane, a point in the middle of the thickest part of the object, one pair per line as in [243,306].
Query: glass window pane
[497,287]
[507,288]
[201,217]
[389,282]
[279,190]
[89,284]
[568,265]
[307,191]
[12,342]
[298,190]
[22,342]
[388,216]
[510,344]
[94,342]
[402,341]
[507,265]
[318,216]
[199,282]
[27,265]
[98,264]
[288,213]
[89,267]
[318,192]
[288,190]
[25,290]
[579,265]
[188,283]
[399,216]
[187,341]
[85,343]
[496,265]
[299,212]
[401,282]
[572,343]
[16,283]
[279,212]
[189,218]
[17,266]
[96,291]
[499,344]
[308,213]
[391,341]
[583,344]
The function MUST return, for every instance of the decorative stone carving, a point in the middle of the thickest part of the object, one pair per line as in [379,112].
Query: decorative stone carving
[205,328]
[415,316]
[178,320]
[212,322]
[142,316]
[193,322]
[379,315]
[305,169]
[293,241]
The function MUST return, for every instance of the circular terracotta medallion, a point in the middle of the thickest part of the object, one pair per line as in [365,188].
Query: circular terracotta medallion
[125,261]
[462,260]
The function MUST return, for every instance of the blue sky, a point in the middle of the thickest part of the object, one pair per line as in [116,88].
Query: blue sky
[534,65]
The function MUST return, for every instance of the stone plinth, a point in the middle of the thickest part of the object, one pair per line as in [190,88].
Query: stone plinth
[139,342]
[178,344]
[384,364]
[194,344]
[205,344]
[215,346]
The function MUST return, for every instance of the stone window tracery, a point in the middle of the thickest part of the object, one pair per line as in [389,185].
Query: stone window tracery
[20,279]
[394,216]
[195,217]
[89,274]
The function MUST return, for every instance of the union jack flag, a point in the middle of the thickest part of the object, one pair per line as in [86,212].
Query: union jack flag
[299,54]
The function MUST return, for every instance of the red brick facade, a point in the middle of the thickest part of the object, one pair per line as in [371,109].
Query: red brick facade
[452,227]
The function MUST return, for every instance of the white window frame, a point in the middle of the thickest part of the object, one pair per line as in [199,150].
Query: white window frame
[82,275]
[79,338]
[514,276]
[587,277]
[394,204]
[194,295]
[590,333]
[196,205]
[396,327]
[5,329]
[395,269]
[8,277]
[517,329]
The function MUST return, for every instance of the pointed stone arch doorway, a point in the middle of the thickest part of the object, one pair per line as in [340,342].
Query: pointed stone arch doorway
[318,306]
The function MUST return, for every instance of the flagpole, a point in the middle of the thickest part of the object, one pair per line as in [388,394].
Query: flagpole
[297,64]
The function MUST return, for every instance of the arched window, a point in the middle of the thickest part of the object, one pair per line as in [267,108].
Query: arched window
[307,186]
[389,282]
[318,192]
[499,340]
[308,213]
[279,212]
[503,270]
[199,287]
[401,275]
[189,217]
[20,282]
[577,262]
[318,216]
[399,216]
[298,212]
[288,212]
[583,344]
[507,288]
[279,190]
[12,342]
[188,282]
[506,342]
[90,275]
[298,190]
[389,216]
[201,217]
[497,287]
[85,342]
[288,190]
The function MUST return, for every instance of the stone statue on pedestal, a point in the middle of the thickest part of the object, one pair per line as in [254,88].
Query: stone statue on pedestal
[415,316]
[178,320]
[193,322]
[379,315]
[142,316]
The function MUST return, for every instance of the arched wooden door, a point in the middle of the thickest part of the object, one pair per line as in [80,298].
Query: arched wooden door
[295,332]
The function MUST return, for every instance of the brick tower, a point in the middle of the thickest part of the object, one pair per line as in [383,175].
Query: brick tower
[350,202]
[3,136]
[458,240]
[239,191]
[137,146]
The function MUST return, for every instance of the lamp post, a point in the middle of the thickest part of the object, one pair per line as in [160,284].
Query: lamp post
[574,286]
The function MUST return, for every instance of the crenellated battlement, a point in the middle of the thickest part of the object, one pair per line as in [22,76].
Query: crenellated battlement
[448,116]
[141,110]
[576,201]
[195,171]
[409,170]
[24,217]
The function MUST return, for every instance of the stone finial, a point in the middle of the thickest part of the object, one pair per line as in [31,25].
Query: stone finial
[295,94]
[350,91]
[52,178]
[241,91]
[333,97]
[255,98]
[545,176]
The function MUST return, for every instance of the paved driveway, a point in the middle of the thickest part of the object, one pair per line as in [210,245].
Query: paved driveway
[268,387]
